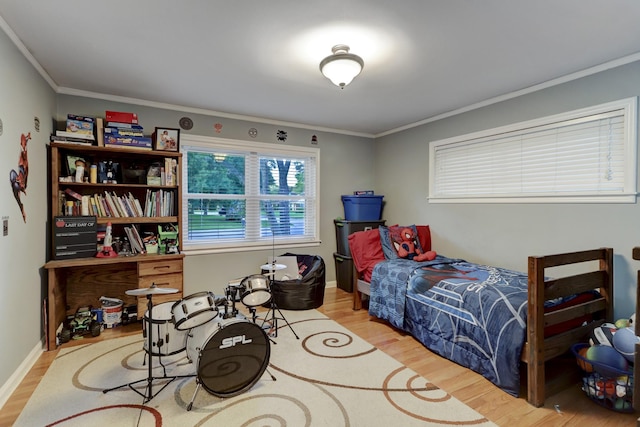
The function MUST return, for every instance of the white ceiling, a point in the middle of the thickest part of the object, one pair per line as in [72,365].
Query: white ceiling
[257,58]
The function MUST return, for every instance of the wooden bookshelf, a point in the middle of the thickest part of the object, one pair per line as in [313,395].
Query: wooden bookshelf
[75,282]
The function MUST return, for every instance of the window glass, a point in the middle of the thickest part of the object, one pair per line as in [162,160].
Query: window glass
[239,195]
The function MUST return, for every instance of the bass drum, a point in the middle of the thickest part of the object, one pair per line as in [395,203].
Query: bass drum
[230,355]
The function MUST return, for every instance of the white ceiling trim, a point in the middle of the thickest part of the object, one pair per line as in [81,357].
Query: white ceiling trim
[165,106]
[569,77]
[25,52]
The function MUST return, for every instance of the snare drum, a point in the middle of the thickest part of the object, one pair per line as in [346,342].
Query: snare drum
[166,338]
[256,290]
[230,355]
[194,310]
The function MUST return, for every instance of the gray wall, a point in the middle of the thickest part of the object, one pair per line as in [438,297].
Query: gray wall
[344,166]
[506,234]
[25,96]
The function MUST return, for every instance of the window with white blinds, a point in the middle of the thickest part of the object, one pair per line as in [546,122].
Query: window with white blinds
[588,155]
[245,195]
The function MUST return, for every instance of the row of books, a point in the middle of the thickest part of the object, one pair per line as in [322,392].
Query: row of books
[160,203]
[137,246]
[115,206]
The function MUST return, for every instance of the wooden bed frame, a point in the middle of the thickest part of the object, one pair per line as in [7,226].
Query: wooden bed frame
[542,379]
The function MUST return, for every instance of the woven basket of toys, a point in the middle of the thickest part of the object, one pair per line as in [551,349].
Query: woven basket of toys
[607,366]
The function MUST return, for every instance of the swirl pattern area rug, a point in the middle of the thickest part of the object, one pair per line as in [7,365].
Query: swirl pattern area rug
[327,377]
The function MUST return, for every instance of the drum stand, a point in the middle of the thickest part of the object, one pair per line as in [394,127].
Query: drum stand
[274,319]
[149,394]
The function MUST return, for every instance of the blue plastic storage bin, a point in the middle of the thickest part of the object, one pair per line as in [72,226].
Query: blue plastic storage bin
[362,207]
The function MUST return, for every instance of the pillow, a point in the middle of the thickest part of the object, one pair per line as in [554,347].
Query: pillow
[391,234]
[424,236]
[366,251]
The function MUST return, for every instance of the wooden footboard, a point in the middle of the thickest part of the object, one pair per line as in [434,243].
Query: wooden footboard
[538,349]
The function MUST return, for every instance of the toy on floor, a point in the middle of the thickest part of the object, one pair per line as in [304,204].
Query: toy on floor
[82,323]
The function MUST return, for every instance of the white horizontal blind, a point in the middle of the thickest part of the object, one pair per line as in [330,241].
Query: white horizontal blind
[242,195]
[587,155]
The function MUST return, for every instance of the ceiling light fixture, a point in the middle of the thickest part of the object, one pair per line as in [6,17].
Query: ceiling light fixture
[342,66]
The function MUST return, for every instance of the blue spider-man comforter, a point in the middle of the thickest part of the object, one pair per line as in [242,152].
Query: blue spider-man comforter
[472,314]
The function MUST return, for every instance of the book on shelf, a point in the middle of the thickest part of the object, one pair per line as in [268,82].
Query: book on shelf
[123,125]
[134,238]
[170,171]
[94,207]
[73,194]
[76,135]
[128,207]
[100,131]
[137,142]
[70,140]
[137,238]
[119,205]
[121,117]
[135,204]
[87,119]
[80,125]
[85,206]
[104,206]
[127,231]
[123,132]
[115,212]
[139,207]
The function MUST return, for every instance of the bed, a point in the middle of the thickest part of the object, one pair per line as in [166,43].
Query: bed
[500,323]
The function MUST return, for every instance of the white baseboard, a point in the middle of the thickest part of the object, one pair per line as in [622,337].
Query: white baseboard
[331,284]
[14,380]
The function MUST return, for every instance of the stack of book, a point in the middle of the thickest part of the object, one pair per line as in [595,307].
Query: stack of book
[79,130]
[122,129]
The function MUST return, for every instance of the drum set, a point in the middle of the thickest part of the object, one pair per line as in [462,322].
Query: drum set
[229,351]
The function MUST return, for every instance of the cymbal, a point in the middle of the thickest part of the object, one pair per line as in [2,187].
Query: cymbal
[153,290]
[273,267]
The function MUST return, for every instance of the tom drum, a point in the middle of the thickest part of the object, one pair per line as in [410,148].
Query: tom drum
[194,310]
[256,290]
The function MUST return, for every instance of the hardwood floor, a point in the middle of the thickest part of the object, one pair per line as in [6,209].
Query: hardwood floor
[575,409]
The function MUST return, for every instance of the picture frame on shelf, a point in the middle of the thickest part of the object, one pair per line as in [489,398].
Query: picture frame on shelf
[166,139]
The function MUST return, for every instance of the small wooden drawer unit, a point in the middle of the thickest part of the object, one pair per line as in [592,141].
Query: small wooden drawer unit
[163,274]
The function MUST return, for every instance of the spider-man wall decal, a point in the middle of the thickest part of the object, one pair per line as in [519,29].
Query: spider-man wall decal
[18,179]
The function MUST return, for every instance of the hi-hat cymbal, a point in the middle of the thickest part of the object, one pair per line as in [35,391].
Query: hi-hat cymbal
[273,267]
[153,290]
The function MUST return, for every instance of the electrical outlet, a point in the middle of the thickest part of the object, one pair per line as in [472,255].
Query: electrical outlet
[5,226]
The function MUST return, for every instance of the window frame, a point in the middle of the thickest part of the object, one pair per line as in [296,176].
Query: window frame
[211,144]
[628,107]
